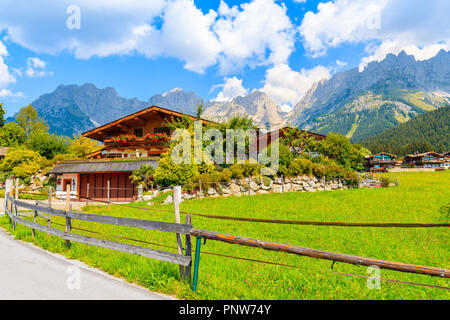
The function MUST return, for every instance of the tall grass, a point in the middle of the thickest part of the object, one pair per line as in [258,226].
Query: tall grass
[419,198]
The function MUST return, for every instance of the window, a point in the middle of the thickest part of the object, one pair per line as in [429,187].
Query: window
[139,132]
[165,130]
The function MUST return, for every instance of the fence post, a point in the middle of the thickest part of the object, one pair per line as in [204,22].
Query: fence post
[176,205]
[33,232]
[282,183]
[8,188]
[87,194]
[248,183]
[68,209]
[50,191]
[397,182]
[358,180]
[8,191]
[140,192]
[17,189]
[200,188]
[108,190]
[187,269]
[197,261]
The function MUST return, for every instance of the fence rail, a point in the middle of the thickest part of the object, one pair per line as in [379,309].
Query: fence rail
[320,254]
[182,260]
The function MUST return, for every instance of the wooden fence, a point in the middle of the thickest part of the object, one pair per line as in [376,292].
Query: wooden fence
[185,261]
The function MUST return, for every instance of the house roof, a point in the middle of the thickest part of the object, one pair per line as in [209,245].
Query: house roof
[380,153]
[100,166]
[96,133]
[280,131]
[419,155]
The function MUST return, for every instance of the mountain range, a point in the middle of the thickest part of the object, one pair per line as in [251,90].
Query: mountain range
[358,104]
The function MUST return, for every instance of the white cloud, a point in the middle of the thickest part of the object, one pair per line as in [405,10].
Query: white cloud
[36,68]
[231,88]
[107,26]
[286,86]
[8,93]
[185,34]
[386,26]
[258,32]
[340,64]
[248,33]
[5,76]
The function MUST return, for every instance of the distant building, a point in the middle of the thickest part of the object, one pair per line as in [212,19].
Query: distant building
[3,152]
[425,160]
[380,162]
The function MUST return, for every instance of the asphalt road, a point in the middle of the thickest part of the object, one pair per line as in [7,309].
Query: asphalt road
[28,272]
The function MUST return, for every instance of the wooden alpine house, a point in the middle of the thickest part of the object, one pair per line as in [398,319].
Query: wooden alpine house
[128,143]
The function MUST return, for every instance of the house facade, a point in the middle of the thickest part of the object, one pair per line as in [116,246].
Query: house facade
[425,160]
[380,162]
[128,143]
[140,134]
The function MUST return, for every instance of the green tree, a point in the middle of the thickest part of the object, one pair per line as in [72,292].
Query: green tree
[12,135]
[2,115]
[22,163]
[80,146]
[339,148]
[28,119]
[200,110]
[46,144]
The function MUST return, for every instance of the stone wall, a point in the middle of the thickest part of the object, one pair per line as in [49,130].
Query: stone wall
[258,185]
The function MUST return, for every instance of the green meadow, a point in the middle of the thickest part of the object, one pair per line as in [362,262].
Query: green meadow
[418,199]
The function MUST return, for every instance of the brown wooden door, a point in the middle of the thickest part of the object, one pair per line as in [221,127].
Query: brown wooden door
[121,187]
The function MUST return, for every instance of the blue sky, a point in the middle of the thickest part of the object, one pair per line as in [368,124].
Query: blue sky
[219,49]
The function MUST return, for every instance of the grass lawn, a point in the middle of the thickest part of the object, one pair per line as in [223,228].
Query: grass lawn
[418,199]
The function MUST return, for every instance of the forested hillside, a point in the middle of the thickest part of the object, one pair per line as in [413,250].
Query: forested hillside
[428,132]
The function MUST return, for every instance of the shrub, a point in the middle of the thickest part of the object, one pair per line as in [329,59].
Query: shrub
[22,163]
[445,210]
[170,174]
[384,182]
[266,181]
[250,170]
[142,175]
[319,170]
[299,167]
[237,172]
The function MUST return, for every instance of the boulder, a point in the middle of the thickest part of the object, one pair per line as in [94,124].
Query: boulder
[211,191]
[168,200]
[147,197]
[235,188]
[267,187]
[254,186]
